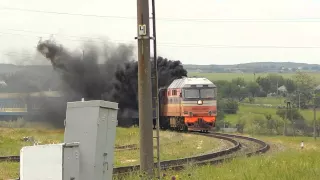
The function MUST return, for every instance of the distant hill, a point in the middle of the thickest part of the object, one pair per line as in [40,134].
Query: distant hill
[258,67]
[9,68]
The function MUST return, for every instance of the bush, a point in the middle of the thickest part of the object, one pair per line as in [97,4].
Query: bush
[251,100]
[260,124]
[230,106]
[261,94]
[294,116]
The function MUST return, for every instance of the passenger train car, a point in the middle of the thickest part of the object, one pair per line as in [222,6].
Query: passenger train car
[188,104]
[12,105]
[15,105]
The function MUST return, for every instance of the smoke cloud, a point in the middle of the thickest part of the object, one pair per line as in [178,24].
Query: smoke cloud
[116,79]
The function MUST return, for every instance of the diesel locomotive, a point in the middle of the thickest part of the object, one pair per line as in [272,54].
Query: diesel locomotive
[188,104]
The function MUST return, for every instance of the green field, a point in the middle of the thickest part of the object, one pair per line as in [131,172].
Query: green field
[173,145]
[267,100]
[246,76]
[245,109]
[284,161]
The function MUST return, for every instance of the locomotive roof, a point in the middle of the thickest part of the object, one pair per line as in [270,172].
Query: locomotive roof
[186,82]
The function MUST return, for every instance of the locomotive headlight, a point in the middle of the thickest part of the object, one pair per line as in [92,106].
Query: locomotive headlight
[199,102]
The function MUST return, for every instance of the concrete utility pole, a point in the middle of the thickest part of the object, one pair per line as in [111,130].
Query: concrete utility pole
[144,89]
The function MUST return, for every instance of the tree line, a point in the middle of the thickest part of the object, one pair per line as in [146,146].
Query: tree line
[299,89]
[231,93]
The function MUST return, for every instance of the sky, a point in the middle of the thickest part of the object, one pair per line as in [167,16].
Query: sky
[194,32]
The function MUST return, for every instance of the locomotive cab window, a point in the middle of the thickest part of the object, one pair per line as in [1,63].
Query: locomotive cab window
[207,93]
[191,93]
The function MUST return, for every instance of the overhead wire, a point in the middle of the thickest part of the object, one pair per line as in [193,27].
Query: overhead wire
[165,19]
[90,39]
[169,44]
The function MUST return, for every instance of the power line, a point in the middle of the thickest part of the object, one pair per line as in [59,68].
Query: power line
[38,32]
[305,20]
[64,13]
[182,45]
[79,40]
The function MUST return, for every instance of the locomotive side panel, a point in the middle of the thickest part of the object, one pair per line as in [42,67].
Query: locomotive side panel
[172,107]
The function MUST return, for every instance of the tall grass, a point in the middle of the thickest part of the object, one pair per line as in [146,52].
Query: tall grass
[172,145]
[21,123]
[288,163]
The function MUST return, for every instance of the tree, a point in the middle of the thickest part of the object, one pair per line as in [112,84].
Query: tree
[241,93]
[305,88]
[276,81]
[253,88]
[270,83]
[222,86]
[317,99]
[229,90]
[290,85]
[232,91]
[221,107]
[239,81]
[231,106]
[304,81]
[264,83]
[295,114]
[220,114]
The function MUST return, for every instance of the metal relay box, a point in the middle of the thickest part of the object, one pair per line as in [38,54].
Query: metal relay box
[93,125]
[50,162]
[88,148]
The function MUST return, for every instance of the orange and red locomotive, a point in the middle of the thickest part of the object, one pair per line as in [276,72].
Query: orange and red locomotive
[188,104]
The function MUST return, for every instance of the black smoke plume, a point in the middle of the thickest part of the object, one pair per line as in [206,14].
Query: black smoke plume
[115,80]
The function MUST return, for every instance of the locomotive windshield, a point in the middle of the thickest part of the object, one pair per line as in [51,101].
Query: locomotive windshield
[207,93]
[199,93]
[191,93]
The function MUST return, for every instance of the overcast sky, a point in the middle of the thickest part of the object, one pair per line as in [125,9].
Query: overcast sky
[191,41]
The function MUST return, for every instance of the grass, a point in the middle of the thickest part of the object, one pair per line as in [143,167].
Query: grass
[173,145]
[245,109]
[246,76]
[274,101]
[284,161]
[9,170]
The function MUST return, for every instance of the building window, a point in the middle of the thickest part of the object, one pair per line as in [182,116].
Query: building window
[174,92]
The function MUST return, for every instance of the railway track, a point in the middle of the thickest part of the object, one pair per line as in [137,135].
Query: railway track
[242,145]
